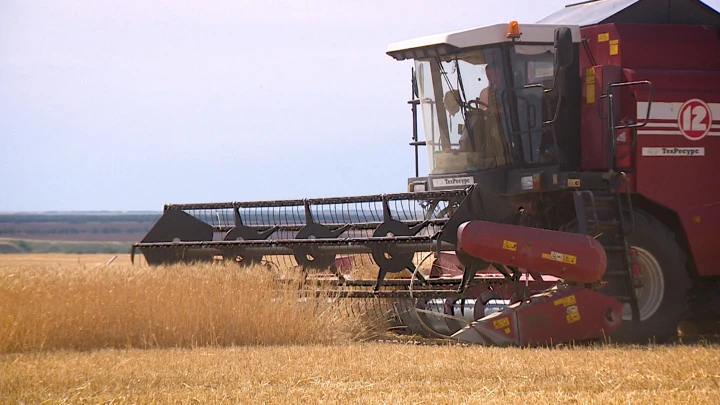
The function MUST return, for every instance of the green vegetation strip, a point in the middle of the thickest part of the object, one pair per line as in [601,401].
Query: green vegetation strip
[45,246]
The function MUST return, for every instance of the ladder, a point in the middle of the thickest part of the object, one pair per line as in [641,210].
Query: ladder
[602,215]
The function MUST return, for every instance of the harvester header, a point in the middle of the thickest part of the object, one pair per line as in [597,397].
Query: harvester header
[444,241]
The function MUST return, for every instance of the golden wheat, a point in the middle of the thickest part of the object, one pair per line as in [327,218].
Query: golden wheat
[159,335]
[48,307]
[366,374]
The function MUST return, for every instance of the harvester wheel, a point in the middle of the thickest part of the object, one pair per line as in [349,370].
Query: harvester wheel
[662,297]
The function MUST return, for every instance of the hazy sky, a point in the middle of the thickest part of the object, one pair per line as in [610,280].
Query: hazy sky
[127,105]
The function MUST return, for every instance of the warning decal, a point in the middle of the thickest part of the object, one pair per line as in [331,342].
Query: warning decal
[566,301]
[572,313]
[560,257]
[501,323]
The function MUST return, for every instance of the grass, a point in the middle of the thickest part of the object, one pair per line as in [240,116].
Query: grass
[74,329]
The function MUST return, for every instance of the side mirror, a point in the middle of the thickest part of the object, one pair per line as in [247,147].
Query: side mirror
[563,59]
[563,47]
[418,77]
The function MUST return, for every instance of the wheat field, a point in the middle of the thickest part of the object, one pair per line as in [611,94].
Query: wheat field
[51,305]
[85,329]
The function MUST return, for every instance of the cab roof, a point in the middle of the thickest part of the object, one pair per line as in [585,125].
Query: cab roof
[449,43]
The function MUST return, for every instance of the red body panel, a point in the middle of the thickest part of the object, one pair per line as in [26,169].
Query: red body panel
[572,257]
[667,167]
[688,185]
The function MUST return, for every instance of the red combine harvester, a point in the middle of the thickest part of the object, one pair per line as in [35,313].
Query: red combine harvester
[571,192]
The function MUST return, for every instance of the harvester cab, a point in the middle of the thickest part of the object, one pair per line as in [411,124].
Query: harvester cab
[492,102]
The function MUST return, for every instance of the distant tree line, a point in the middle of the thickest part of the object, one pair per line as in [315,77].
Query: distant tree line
[34,246]
[72,231]
[77,218]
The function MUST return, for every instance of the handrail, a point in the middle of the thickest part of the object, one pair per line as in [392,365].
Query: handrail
[611,127]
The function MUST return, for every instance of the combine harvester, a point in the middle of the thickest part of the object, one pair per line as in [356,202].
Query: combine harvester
[572,194]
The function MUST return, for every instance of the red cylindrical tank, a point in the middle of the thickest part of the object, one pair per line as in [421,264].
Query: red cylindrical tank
[572,257]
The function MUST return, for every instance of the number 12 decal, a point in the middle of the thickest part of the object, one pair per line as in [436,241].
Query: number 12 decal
[694,119]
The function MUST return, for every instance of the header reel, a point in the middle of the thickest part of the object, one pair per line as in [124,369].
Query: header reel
[389,232]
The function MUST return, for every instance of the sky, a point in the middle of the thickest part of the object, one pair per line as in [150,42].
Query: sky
[125,106]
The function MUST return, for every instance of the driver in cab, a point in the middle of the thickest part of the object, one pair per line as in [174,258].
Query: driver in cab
[487,95]
[482,131]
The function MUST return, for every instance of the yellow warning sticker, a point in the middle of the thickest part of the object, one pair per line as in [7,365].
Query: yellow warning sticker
[560,257]
[614,44]
[566,301]
[589,76]
[574,317]
[570,259]
[572,313]
[502,323]
[509,245]
[589,85]
[603,37]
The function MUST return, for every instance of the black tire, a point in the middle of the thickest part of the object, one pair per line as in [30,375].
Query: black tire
[663,297]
